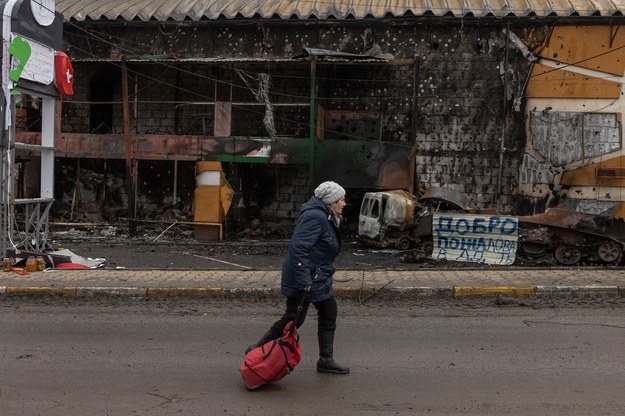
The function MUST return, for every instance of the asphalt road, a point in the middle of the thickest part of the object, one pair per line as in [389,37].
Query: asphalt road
[114,357]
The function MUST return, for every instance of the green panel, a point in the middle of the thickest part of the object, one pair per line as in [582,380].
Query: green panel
[243,159]
[243,149]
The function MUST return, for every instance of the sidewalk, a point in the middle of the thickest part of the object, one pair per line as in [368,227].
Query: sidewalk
[433,283]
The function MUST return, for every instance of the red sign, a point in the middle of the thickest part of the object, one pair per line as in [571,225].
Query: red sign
[63,74]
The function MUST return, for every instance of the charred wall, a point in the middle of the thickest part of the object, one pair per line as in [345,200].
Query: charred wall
[447,95]
[468,136]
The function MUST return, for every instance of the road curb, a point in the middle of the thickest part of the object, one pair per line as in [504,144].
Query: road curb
[491,291]
[354,293]
[69,292]
[579,291]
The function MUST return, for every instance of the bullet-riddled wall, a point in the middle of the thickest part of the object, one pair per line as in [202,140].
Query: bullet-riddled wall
[574,155]
[434,105]
[519,118]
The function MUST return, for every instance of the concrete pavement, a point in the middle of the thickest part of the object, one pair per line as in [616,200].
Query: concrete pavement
[433,283]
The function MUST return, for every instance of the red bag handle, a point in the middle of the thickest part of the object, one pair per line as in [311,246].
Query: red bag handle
[300,308]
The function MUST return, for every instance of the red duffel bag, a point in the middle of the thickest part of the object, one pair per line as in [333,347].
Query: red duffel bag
[272,361]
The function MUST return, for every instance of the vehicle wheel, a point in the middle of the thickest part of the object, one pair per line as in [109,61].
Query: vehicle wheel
[534,250]
[384,242]
[568,255]
[403,243]
[427,248]
[609,252]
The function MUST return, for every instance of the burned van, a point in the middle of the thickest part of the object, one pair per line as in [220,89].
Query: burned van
[402,220]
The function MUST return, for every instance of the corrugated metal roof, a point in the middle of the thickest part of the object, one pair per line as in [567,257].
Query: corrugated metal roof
[180,10]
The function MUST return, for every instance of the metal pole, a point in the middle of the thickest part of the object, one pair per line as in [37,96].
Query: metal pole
[6,188]
[175,196]
[312,127]
[504,123]
[413,126]
[129,152]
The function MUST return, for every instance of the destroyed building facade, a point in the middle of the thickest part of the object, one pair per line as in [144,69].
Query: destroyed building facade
[518,108]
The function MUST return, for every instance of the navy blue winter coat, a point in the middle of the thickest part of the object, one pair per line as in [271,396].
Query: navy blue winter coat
[314,245]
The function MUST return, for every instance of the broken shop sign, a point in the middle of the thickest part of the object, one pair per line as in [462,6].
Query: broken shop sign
[490,239]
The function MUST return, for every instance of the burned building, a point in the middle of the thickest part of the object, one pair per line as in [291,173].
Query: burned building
[483,99]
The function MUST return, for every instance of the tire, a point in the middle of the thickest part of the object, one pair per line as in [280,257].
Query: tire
[534,250]
[609,252]
[427,248]
[403,243]
[568,255]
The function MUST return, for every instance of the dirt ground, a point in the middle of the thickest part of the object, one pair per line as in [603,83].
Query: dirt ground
[180,250]
[162,246]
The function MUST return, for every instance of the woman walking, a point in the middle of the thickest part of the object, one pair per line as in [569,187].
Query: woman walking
[309,267]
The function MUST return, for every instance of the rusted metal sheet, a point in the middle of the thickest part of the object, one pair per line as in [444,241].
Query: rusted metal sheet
[573,236]
[450,198]
[605,173]
[173,147]
[180,10]
[373,55]
[400,207]
[547,82]
[489,239]
[556,217]
[603,225]
[600,48]
[394,172]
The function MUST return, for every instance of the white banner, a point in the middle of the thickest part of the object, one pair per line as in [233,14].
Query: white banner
[490,239]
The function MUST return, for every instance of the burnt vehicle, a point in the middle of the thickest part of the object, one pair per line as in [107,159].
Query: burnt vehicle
[573,237]
[404,221]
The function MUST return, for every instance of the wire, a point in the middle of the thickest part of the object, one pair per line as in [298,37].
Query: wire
[146,57]
[450,94]
[292,96]
[287,120]
[248,73]
[90,35]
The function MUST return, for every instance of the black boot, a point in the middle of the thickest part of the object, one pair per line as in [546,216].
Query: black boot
[326,363]
[265,339]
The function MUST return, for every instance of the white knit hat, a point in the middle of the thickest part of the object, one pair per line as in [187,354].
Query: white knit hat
[329,192]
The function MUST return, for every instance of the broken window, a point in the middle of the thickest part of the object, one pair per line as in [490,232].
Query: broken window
[101,96]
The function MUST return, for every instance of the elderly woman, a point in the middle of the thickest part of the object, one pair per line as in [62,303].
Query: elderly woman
[308,267]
